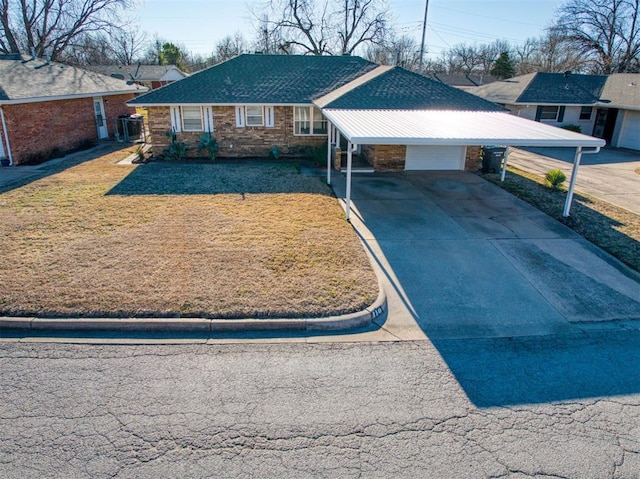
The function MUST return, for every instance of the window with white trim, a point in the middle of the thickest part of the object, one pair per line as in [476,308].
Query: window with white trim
[549,113]
[254,116]
[191,118]
[308,120]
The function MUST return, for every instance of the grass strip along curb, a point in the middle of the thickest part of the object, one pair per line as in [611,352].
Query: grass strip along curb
[331,323]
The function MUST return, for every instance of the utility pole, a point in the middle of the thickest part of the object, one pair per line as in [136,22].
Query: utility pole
[424,33]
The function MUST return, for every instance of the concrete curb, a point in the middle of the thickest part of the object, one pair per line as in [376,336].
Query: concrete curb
[201,325]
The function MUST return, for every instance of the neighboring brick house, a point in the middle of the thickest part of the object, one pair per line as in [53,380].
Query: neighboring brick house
[253,103]
[151,76]
[48,108]
[606,107]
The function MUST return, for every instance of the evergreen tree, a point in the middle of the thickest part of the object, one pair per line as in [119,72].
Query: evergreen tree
[503,67]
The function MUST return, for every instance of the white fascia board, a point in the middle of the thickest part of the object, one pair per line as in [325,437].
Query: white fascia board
[478,142]
[306,105]
[554,104]
[65,97]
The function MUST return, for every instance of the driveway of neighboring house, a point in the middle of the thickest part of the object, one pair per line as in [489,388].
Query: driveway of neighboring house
[613,175]
[462,258]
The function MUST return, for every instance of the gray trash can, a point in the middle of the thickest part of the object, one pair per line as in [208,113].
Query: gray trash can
[492,157]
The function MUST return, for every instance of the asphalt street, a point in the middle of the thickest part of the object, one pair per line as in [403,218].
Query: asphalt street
[553,406]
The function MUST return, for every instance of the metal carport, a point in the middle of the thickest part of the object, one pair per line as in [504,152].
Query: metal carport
[454,128]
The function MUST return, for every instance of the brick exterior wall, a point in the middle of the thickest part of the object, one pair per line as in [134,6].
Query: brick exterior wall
[472,161]
[235,142]
[38,131]
[114,106]
[385,157]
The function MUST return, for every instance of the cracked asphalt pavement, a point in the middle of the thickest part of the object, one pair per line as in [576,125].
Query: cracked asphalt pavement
[555,406]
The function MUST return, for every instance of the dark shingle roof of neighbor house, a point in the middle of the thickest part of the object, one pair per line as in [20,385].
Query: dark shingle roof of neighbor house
[564,89]
[545,88]
[400,89]
[142,72]
[23,78]
[256,78]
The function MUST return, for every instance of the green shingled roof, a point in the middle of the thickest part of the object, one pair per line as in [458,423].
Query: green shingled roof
[400,89]
[275,79]
[563,89]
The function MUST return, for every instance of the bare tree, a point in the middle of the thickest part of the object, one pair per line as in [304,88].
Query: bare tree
[231,46]
[365,22]
[320,27]
[127,45]
[89,50]
[607,31]
[52,26]
[463,58]
[269,40]
[402,51]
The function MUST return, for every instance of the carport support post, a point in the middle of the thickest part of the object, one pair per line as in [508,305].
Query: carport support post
[504,164]
[348,199]
[572,183]
[329,146]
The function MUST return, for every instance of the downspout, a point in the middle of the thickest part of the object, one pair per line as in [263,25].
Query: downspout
[574,174]
[329,147]
[6,136]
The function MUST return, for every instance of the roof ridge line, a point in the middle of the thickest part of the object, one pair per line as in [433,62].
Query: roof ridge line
[352,85]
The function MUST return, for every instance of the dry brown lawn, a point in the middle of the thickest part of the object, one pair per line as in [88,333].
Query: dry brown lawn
[614,229]
[233,240]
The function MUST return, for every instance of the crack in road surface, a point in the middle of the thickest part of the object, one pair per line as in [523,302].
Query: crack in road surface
[322,410]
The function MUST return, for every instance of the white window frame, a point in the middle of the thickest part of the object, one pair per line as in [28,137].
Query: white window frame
[312,112]
[182,114]
[253,115]
[555,118]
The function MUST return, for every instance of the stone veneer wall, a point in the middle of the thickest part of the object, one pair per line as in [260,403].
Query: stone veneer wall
[472,161]
[385,157]
[233,141]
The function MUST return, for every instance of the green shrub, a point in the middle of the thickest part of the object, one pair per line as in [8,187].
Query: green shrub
[210,144]
[576,128]
[177,149]
[555,178]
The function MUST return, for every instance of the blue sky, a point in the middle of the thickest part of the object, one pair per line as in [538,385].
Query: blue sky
[199,24]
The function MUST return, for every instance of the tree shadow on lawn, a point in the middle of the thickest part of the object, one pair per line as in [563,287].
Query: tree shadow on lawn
[247,176]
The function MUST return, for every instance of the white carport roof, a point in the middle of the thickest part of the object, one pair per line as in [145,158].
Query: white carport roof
[432,127]
[465,128]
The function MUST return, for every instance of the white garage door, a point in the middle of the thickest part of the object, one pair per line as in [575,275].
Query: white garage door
[630,134]
[430,157]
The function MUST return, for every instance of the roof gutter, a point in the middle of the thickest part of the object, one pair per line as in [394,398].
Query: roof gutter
[39,99]
[6,136]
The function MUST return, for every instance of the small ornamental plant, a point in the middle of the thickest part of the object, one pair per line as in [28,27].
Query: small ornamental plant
[555,178]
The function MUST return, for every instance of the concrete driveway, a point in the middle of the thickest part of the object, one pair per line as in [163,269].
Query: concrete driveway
[613,175]
[460,257]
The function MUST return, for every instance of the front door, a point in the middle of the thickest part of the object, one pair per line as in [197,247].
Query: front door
[101,121]
[605,123]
